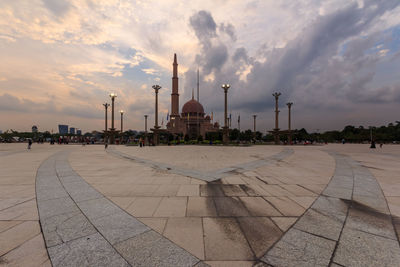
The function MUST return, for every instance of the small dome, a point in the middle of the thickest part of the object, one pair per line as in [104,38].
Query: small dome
[192,106]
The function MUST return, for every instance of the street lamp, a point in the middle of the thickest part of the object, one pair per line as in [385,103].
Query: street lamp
[113,96]
[225,135]
[156,127]
[112,129]
[122,120]
[289,104]
[276,130]
[106,105]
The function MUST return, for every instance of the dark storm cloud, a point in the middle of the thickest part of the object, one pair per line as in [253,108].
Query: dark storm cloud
[240,54]
[57,7]
[308,68]
[204,26]
[229,29]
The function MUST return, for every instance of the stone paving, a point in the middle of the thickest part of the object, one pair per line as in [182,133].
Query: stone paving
[199,206]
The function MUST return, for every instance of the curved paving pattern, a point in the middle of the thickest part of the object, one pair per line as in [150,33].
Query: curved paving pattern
[207,176]
[348,225]
[83,228]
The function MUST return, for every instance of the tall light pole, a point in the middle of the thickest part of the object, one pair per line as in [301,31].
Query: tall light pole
[122,120]
[145,129]
[289,104]
[225,136]
[106,105]
[276,130]
[112,129]
[156,127]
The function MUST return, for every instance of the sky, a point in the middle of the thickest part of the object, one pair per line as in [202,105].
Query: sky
[338,61]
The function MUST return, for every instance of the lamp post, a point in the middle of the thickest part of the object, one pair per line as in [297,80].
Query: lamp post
[276,130]
[156,127]
[122,120]
[254,124]
[145,130]
[112,129]
[289,104]
[106,105]
[225,136]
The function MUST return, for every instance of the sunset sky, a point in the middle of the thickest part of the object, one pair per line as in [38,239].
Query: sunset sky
[337,60]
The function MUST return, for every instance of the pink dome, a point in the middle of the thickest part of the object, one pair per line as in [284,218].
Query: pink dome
[192,106]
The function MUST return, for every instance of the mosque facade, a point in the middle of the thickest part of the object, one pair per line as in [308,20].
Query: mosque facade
[192,121]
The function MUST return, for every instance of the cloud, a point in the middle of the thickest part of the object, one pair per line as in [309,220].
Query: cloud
[204,26]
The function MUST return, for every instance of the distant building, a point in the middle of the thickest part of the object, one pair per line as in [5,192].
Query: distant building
[34,129]
[79,132]
[72,130]
[62,129]
[1,131]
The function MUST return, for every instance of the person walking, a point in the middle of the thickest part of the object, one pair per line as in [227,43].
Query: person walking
[29,143]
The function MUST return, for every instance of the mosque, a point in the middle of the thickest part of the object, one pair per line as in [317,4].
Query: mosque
[192,121]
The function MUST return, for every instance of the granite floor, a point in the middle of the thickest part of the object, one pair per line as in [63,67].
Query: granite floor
[216,206]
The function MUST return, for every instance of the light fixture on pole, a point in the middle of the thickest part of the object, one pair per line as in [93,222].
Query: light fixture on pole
[156,127]
[225,136]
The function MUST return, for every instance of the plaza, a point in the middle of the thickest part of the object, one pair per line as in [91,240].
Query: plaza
[73,205]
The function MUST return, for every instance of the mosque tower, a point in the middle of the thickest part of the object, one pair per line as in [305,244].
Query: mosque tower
[175,94]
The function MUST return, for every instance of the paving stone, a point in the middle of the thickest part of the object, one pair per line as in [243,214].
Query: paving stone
[305,202]
[276,190]
[122,202]
[224,240]
[52,207]
[22,211]
[201,264]
[70,179]
[297,248]
[371,222]
[144,206]
[297,190]
[98,207]
[46,193]
[286,206]
[211,190]
[119,226]
[357,248]
[230,206]
[91,250]
[284,223]
[81,191]
[171,207]
[230,263]
[4,225]
[233,190]
[29,253]
[151,249]
[260,232]
[320,224]
[330,206]
[18,235]
[157,224]
[186,233]
[254,190]
[201,207]
[377,203]
[65,227]
[166,190]
[188,190]
[257,206]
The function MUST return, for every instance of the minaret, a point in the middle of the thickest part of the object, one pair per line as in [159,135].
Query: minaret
[175,94]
